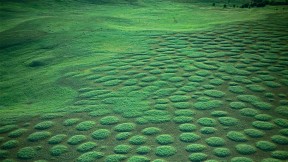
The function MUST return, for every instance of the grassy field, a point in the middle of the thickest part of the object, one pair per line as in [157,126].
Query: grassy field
[146,81]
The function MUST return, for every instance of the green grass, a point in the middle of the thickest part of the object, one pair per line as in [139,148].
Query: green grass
[280,154]
[212,104]
[90,156]
[245,149]
[189,137]
[236,136]
[214,93]
[76,139]
[250,112]
[165,151]
[187,127]
[7,128]
[215,141]
[122,149]
[221,152]
[44,125]
[281,140]
[17,133]
[85,125]
[209,122]
[109,120]
[10,144]
[195,148]
[254,133]
[151,131]
[142,150]
[241,159]
[137,140]
[58,150]
[265,145]
[114,158]
[198,157]
[208,130]
[263,125]
[87,146]
[164,139]
[26,153]
[70,122]
[138,158]
[101,134]
[38,136]
[57,139]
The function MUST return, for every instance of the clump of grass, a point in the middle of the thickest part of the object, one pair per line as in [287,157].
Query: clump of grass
[262,105]
[209,122]
[237,105]
[26,153]
[101,134]
[254,133]
[265,145]
[281,140]
[70,122]
[237,89]
[272,84]
[179,98]
[182,105]
[7,128]
[215,141]
[164,139]
[198,156]
[17,133]
[281,122]
[109,120]
[124,127]
[263,125]
[219,113]
[241,159]
[184,112]
[76,139]
[280,154]
[208,130]
[151,131]
[236,136]
[187,127]
[228,121]
[175,79]
[10,144]
[44,125]
[182,119]
[37,136]
[216,81]
[282,110]
[122,149]
[196,79]
[58,150]
[115,158]
[221,152]
[248,112]
[214,93]
[189,137]
[87,146]
[245,149]
[57,139]
[195,148]
[208,105]
[165,151]
[248,98]
[271,160]
[90,156]
[138,158]
[284,132]
[143,150]
[123,136]
[4,154]
[263,117]
[137,140]
[255,88]
[85,125]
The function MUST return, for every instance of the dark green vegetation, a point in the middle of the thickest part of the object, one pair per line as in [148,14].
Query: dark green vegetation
[142,81]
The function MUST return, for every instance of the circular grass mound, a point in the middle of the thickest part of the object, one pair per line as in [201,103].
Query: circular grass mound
[122,149]
[208,130]
[208,105]
[90,156]
[248,112]
[101,134]
[187,127]
[241,159]
[124,127]
[214,93]
[265,145]
[85,125]
[87,146]
[109,120]
[57,139]
[17,133]
[237,105]
[279,154]
[115,158]
[215,141]
[228,121]
[37,136]
[221,152]
[165,151]
[209,122]
[70,122]
[123,136]
[189,137]
[283,110]
[197,157]
[137,140]
[164,139]
[182,119]
[44,125]
[143,150]
[151,131]
[137,158]
[9,144]
[281,140]
[184,112]
[219,113]
[58,150]
[195,148]
[26,153]
[254,133]
[263,125]
[281,122]
[76,139]
[245,149]
[263,117]
[236,136]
